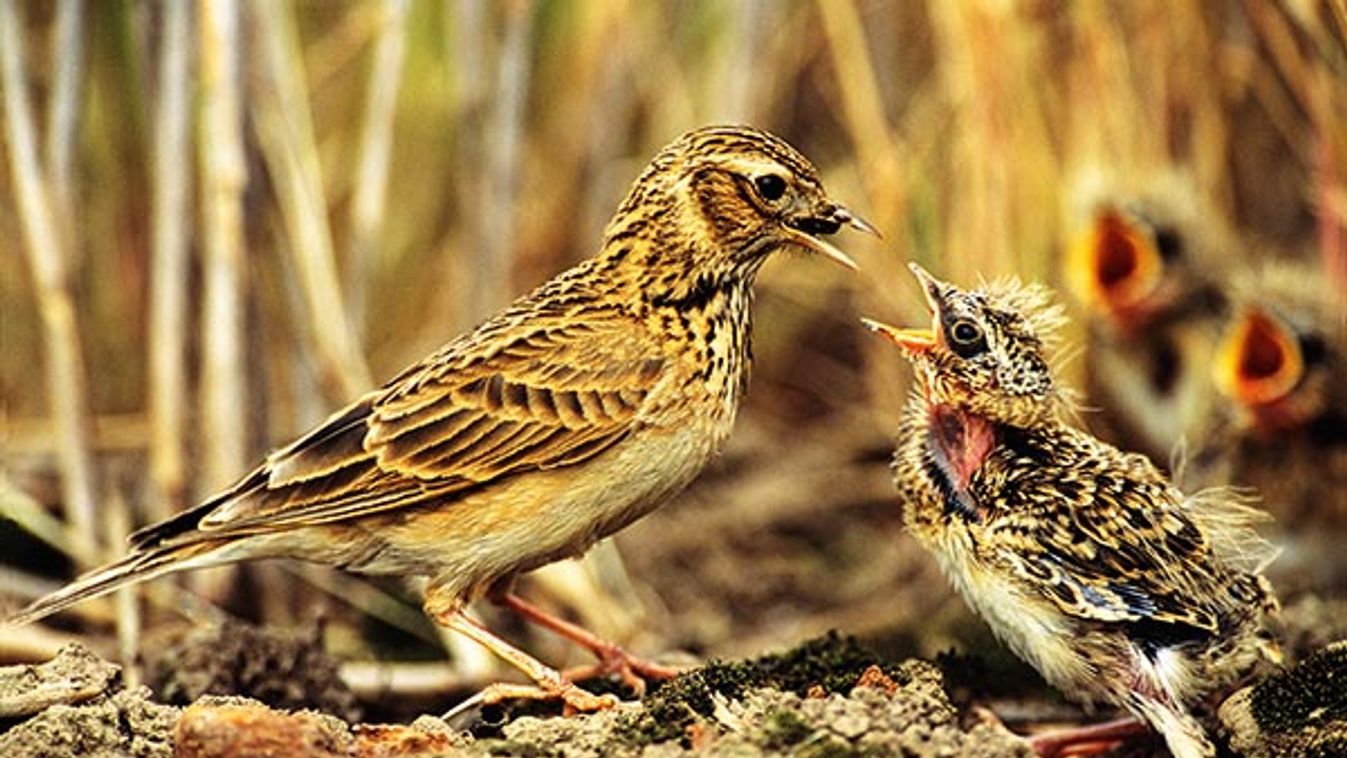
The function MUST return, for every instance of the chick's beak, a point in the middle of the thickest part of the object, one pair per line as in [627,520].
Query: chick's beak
[1114,264]
[1259,360]
[916,341]
[805,230]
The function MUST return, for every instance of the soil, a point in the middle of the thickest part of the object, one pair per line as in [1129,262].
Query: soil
[828,698]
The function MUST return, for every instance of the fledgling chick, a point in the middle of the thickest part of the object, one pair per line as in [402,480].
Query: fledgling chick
[1085,559]
[1281,368]
[1142,263]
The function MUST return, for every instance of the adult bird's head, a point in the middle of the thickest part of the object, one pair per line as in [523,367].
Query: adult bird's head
[986,351]
[715,203]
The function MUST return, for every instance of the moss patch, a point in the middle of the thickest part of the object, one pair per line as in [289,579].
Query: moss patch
[827,665]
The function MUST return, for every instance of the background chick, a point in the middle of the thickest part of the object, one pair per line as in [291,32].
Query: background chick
[1143,263]
[1084,559]
[1280,423]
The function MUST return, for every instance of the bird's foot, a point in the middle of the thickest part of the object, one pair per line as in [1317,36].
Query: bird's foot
[574,699]
[1079,741]
[632,671]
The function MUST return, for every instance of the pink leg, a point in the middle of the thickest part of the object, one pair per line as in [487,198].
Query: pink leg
[612,658]
[549,684]
[1087,740]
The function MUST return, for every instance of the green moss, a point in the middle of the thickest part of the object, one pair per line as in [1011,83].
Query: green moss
[785,728]
[1313,693]
[831,663]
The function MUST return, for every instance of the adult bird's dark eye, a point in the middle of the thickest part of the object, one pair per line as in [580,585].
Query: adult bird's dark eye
[771,186]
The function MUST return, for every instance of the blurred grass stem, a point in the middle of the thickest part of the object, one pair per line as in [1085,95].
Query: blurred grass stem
[280,113]
[168,317]
[376,141]
[48,260]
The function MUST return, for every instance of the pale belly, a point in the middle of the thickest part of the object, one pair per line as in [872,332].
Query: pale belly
[468,543]
[1029,625]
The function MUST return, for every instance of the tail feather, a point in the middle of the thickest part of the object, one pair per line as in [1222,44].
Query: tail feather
[1184,736]
[133,569]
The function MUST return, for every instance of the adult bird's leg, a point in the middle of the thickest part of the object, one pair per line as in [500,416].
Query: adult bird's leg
[612,658]
[549,683]
[1087,740]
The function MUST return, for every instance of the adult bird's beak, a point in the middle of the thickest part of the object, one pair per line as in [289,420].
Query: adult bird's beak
[916,341]
[1115,264]
[804,230]
[1259,360]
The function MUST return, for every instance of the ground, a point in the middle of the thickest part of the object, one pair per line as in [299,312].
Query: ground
[830,697]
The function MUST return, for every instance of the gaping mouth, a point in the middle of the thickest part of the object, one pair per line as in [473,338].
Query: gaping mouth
[1115,264]
[914,341]
[1259,361]
[805,231]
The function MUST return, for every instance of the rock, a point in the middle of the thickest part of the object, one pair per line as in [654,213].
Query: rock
[75,675]
[126,724]
[284,670]
[1299,713]
[228,729]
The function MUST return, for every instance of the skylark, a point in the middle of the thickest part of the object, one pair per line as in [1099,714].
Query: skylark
[1084,559]
[575,411]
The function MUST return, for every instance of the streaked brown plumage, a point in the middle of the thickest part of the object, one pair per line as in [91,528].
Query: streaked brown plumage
[1142,263]
[573,412]
[1085,559]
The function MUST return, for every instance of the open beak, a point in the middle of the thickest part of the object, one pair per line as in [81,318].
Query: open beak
[1115,264]
[915,341]
[805,231]
[1259,360]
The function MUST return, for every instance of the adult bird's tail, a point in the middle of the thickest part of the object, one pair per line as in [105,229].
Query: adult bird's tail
[133,569]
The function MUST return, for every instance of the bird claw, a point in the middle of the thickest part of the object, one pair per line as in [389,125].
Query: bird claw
[632,671]
[574,699]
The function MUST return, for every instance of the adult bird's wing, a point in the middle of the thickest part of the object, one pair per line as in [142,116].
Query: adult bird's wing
[1116,544]
[544,394]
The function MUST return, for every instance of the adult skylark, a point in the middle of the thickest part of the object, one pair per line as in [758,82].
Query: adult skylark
[572,413]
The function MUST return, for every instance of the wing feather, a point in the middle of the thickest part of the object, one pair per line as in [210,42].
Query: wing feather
[1114,547]
[553,397]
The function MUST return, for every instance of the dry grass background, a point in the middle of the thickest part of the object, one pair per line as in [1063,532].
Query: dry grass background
[217,223]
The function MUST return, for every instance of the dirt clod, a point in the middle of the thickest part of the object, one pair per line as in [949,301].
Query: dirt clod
[126,724]
[215,729]
[284,670]
[75,675]
[1300,712]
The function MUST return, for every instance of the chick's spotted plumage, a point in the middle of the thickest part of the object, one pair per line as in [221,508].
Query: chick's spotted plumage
[576,410]
[1083,558]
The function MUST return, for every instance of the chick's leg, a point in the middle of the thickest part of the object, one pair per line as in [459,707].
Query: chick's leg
[612,658]
[1087,740]
[549,684]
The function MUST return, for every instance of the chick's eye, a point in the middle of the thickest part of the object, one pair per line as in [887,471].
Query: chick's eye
[770,186]
[966,338]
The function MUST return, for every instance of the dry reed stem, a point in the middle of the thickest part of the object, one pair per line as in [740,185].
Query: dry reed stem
[124,601]
[863,107]
[223,177]
[493,252]
[376,141]
[31,517]
[63,109]
[168,316]
[281,115]
[372,681]
[49,260]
